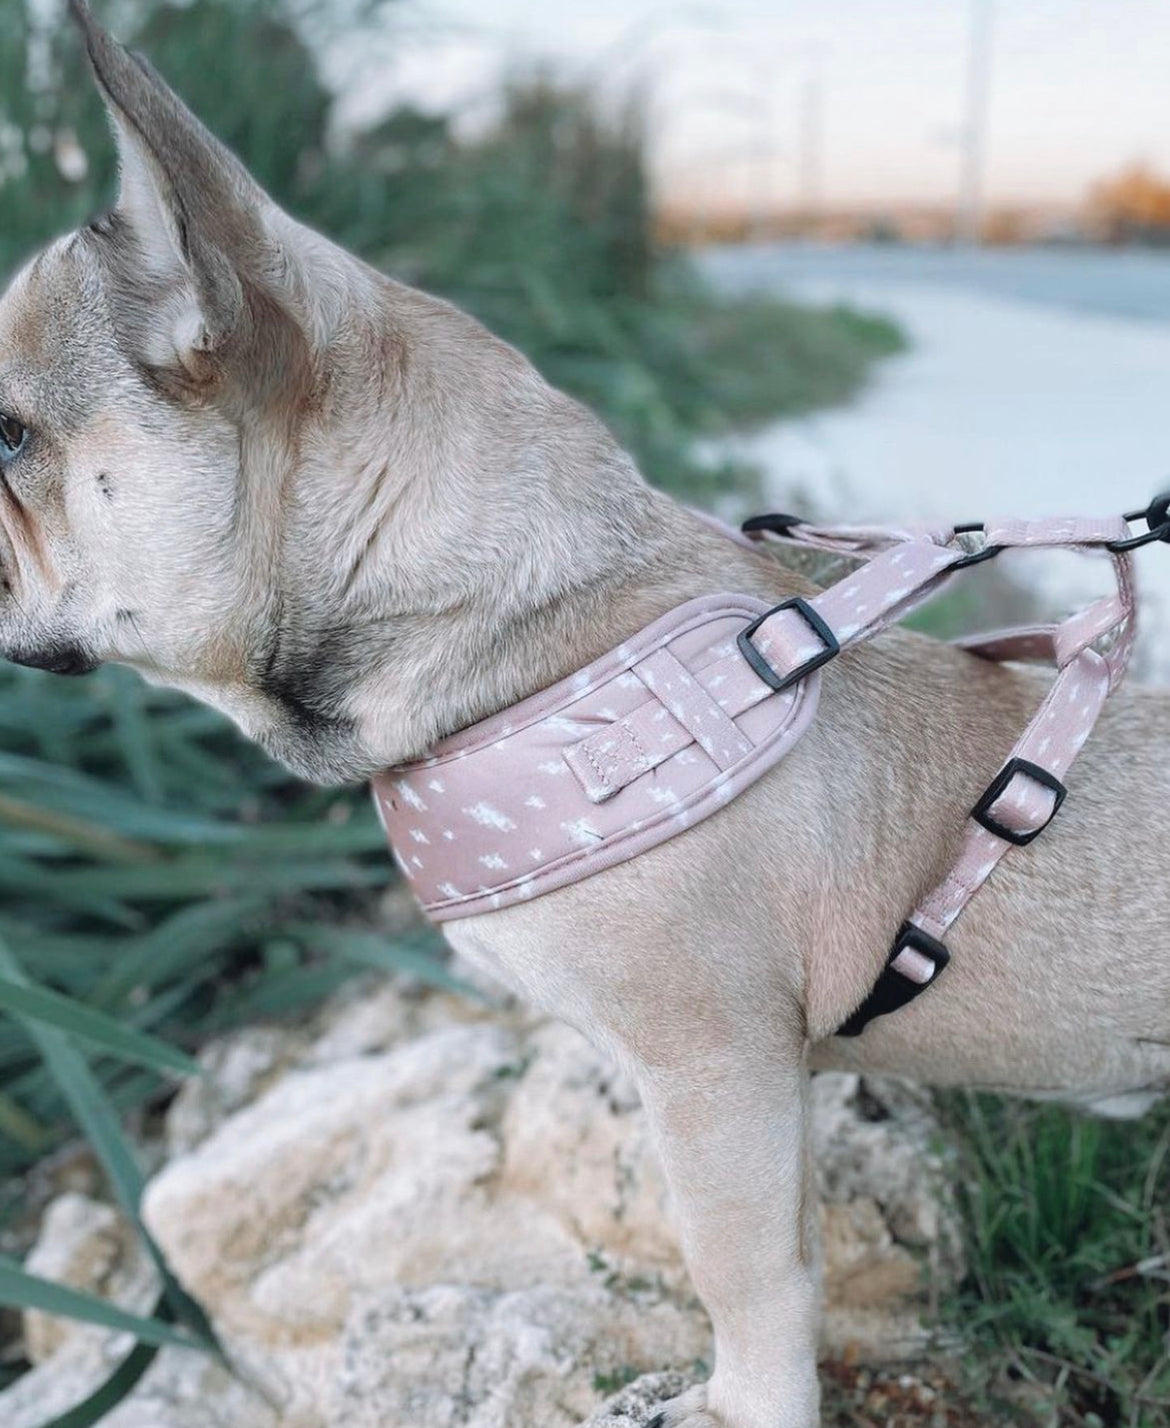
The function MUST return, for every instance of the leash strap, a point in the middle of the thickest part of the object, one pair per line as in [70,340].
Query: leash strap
[904,568]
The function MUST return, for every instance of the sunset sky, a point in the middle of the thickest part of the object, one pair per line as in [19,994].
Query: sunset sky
[1079,86]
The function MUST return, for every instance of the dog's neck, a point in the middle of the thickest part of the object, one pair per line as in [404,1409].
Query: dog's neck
[485,537]
[444,670]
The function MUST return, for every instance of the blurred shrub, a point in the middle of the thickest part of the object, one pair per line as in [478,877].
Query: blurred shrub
[1131,207]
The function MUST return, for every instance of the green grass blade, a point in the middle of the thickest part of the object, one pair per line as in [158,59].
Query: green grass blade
[135,737]
[417,956]
[96,1117]
[21,1290]
[186,938]
[280,993]
[112,1037]
[104,1399]
[19,1126]
[198,874]
[80,833]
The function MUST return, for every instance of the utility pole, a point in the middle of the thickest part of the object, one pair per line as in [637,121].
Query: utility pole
[980,53]
[812,139]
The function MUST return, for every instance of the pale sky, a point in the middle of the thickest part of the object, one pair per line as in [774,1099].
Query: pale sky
[1079,87]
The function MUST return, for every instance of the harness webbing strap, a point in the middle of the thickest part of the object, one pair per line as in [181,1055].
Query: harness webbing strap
[876,595]
[1028,790]
[1025,805]
[682,707]
[695,707]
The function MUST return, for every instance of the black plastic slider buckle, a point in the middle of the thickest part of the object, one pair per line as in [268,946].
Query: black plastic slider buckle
[1157,519]
[778,524]
[995,790]
[895,989]
[761,666]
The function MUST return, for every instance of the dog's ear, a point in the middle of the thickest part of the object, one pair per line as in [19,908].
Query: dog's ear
[189,215]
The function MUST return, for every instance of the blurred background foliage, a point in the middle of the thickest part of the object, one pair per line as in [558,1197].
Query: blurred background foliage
[152,866]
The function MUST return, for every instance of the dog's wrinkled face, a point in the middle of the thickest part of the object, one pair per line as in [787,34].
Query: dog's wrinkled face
[160,382]
[115,501]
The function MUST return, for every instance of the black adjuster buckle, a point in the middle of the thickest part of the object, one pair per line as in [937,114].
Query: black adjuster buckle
[982,810]
[815,624]
[776,524]
[1157,519]
[894,989]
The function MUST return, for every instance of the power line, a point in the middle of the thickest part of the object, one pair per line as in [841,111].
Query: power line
[812,136]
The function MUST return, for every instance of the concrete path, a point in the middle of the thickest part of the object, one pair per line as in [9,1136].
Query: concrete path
[1033,403]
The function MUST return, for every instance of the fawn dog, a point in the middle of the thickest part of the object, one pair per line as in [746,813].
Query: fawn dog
[239,460]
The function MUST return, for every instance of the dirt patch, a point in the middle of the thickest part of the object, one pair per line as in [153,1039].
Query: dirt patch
[921,1397]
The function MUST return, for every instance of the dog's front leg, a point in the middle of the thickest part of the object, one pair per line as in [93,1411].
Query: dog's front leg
[731,1132]
[714,1036]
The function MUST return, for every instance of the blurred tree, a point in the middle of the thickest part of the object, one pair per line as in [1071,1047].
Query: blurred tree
[1133,206]
[248,73]
[51,168]
[242,65]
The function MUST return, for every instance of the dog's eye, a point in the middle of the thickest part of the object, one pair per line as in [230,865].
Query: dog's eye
[12,435]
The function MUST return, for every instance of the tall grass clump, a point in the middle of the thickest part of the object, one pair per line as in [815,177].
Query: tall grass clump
[1069,1247]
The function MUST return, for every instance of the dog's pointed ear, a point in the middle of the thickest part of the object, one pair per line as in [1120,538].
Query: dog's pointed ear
[192,212]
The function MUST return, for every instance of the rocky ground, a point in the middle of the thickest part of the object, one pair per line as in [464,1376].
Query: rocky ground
[419,1212]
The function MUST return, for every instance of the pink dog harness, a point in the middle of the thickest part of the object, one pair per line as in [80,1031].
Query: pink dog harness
[666,729]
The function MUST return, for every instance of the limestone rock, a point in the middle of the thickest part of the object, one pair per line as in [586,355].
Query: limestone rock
[461,1355]
[85,1245]
[181,1389]
[888,1217]
[90,1246]
[422,1213]
[237,1067]
[466,1229]
[637,1404]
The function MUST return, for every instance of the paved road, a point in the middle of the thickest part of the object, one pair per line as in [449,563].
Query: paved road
[1117,283]
[1037,382]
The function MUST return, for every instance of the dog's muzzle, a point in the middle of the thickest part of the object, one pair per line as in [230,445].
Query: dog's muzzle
[56,659]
